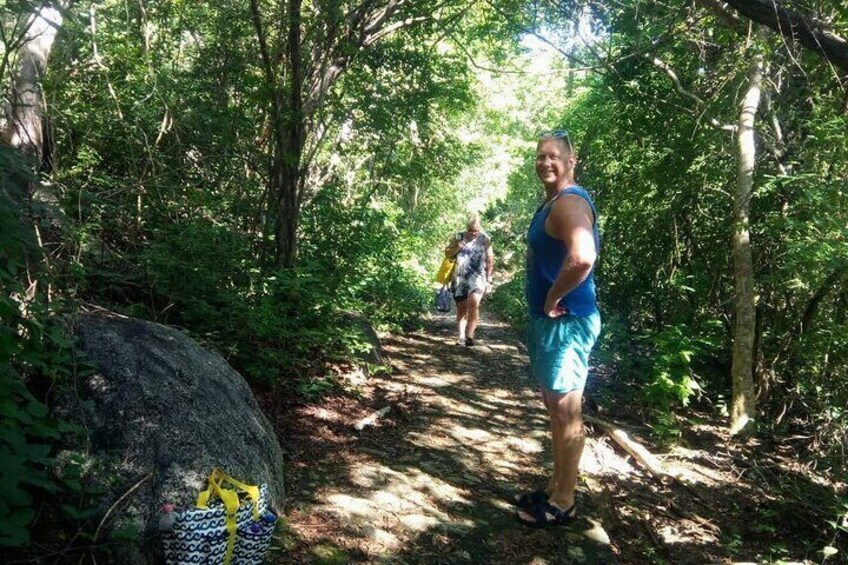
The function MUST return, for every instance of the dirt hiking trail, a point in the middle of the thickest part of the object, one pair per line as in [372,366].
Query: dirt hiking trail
[452,433]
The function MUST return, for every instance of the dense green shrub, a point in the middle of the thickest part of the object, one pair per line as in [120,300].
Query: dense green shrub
[33,348]
[279,328]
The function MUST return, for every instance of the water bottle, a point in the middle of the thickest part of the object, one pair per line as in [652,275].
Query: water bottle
[268,518]
[166,521]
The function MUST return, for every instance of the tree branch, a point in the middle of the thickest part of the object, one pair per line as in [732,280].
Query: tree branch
[267,62]
[810,33]
[657,62]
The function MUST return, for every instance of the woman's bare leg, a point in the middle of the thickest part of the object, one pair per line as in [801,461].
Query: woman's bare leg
[461,317]
[473,312]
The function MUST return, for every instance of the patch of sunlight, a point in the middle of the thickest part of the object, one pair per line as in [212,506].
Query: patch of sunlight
[503,347]
[403,490]
[507,472]
[599,458]
[501,504]
[419,522]
[470,434]
[419,439]
[388,500]
[438,488]
[384,538]
[670,535]
[440,381]
[467,410]
[503,400]
[525,445]
[501,393]
[349,505]
[324,414]
[597,532]
[386,506]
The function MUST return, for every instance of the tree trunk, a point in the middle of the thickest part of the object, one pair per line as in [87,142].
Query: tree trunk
[312,62]
[22,126]
[744,400]
[287,174]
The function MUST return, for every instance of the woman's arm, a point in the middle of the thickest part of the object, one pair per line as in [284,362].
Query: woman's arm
[454,247]
[490,260]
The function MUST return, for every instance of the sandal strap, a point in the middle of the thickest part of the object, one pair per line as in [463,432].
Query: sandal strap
[529,499]
[546,513]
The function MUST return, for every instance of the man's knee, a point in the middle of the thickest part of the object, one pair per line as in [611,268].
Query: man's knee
[566,410]
[569,421]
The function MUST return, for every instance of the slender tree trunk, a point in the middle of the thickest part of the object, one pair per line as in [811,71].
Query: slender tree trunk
[744,400]
[22,124]
[22,128]
[310,66]
[287,175]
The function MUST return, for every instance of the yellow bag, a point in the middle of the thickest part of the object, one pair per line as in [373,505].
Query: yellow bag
[445,272]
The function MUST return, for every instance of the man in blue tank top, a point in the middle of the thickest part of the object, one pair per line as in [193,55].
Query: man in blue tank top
[564,324]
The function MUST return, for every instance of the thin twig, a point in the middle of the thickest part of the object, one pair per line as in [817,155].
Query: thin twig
[116,503]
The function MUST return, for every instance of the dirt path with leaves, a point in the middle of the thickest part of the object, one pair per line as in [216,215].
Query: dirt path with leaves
[430,480]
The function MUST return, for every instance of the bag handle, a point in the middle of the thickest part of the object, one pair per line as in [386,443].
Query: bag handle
[217,480]
[230,498]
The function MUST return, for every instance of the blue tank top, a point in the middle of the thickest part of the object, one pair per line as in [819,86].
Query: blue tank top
[545,256]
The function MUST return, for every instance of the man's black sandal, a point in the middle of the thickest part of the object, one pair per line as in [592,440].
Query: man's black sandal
[546,515]
[529,499]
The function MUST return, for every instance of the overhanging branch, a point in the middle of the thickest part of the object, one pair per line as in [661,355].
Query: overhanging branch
[663,66]
[810,33]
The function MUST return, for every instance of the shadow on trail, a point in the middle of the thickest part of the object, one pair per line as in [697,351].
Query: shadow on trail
[432,481]
[435,487]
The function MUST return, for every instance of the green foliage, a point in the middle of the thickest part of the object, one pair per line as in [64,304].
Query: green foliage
[672,379]
[662,180]
[840,528]
[367,268]
[508,300]
[24,456]
[164,147]
[278,329]
[32,345]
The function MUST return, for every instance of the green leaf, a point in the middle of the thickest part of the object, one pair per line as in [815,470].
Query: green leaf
[12,535]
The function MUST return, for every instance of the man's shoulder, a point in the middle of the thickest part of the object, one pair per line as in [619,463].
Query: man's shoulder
[569,202]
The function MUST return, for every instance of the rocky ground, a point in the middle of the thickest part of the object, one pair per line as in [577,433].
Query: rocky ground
[455,432]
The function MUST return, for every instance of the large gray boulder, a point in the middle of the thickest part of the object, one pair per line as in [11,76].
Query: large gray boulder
[162,411]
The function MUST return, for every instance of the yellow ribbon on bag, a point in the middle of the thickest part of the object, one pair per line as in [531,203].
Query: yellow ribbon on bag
[445,272]
[216,487]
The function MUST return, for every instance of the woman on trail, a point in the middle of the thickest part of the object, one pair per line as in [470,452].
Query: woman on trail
[564,321]
[475,262]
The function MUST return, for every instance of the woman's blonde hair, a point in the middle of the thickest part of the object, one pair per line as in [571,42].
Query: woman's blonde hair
[473,218]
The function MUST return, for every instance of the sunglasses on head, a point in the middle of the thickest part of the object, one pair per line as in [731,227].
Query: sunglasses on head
[556,134]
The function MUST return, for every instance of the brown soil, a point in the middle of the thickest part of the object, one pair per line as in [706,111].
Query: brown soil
[430,481]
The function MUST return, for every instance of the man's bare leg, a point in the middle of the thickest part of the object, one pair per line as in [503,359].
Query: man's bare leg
[554,445]
[567,424]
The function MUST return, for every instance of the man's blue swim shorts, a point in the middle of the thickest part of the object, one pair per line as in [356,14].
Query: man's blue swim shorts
[559,350]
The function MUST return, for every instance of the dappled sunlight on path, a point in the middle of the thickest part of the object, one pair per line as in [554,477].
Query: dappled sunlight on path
[434,486]
[431,479]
